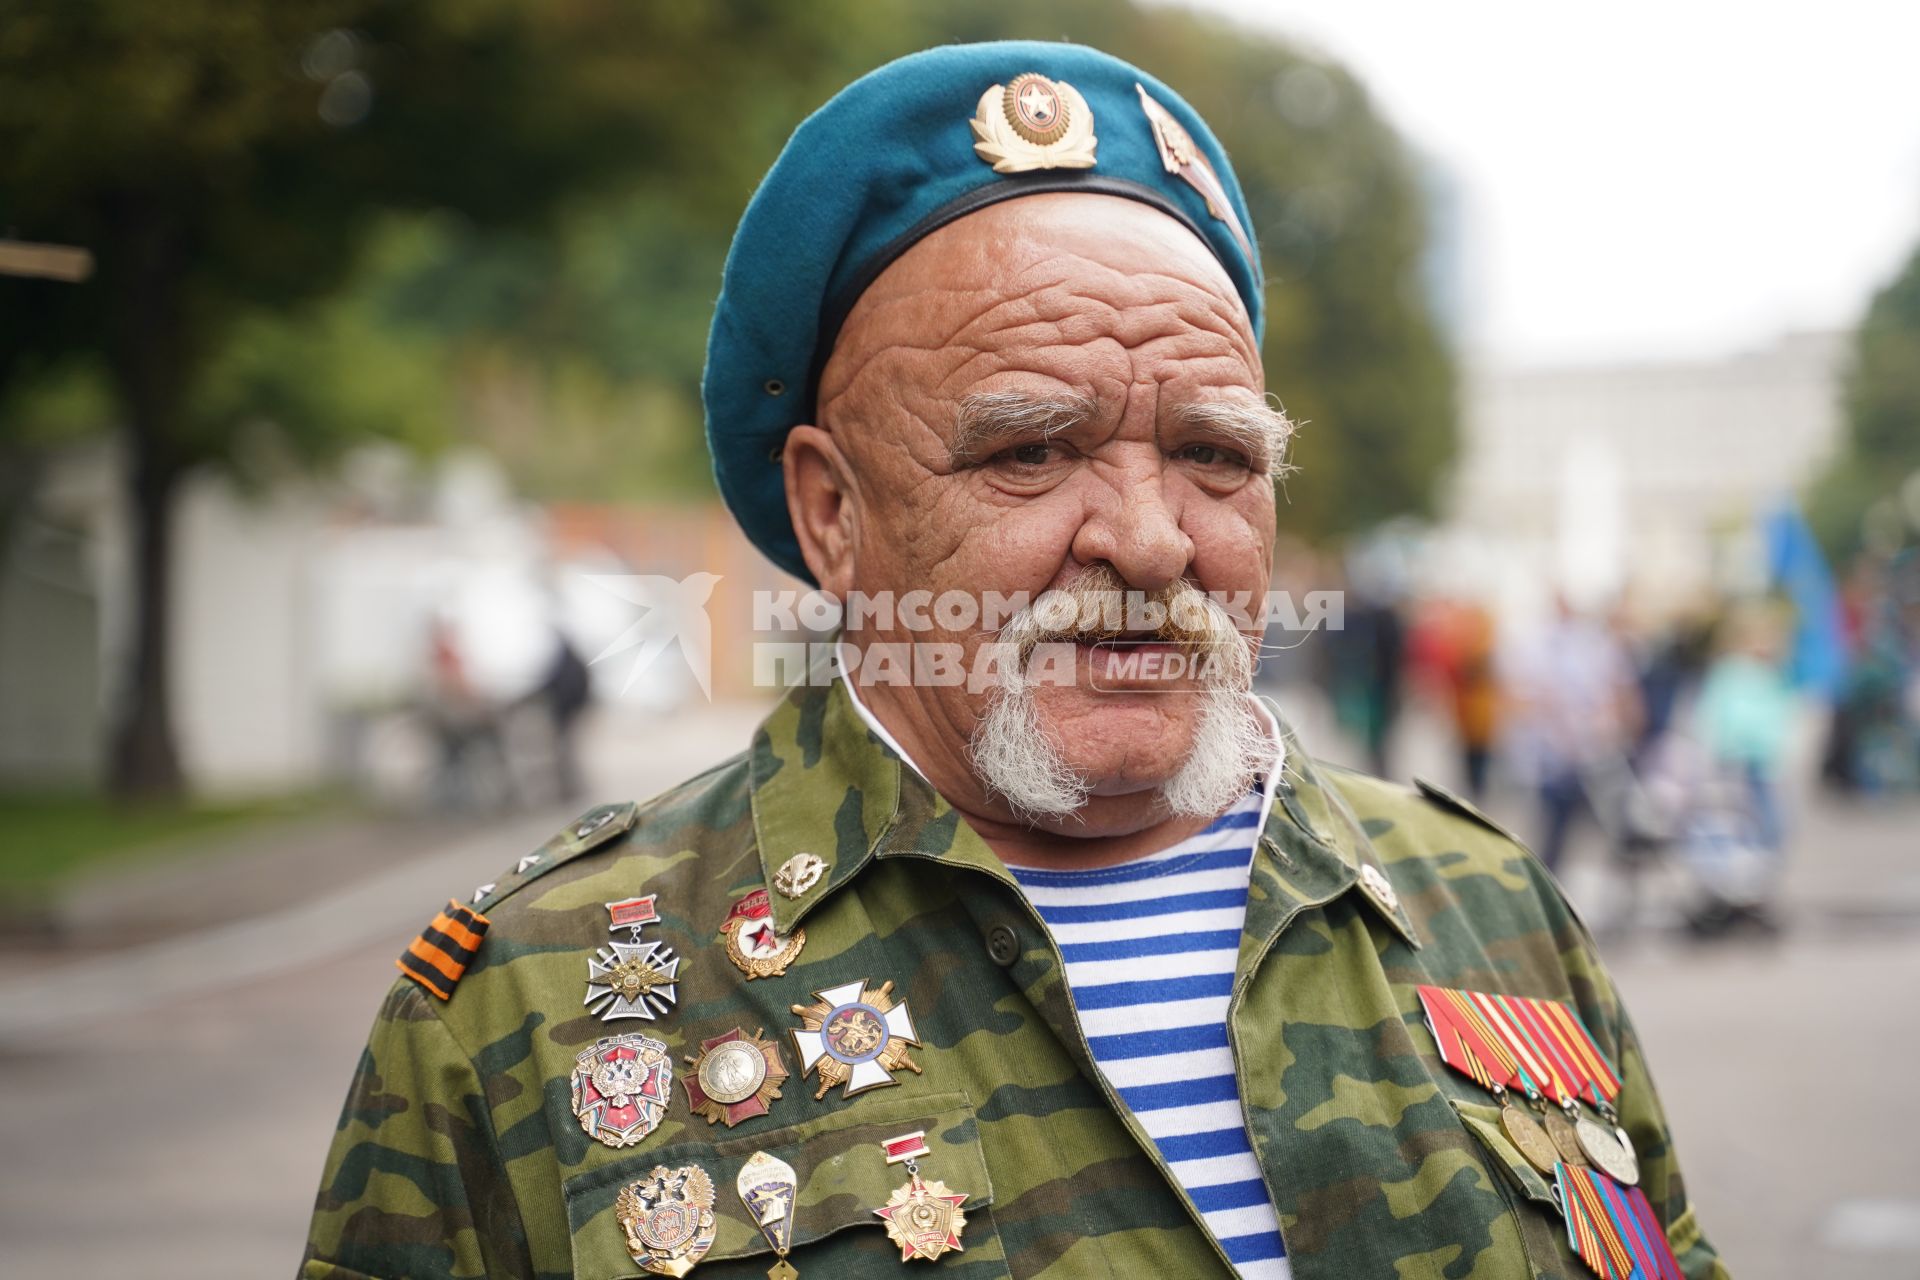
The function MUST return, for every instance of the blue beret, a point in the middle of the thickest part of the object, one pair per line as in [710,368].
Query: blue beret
[896,155]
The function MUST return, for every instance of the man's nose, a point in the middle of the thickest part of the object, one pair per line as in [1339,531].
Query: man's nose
[1137,531]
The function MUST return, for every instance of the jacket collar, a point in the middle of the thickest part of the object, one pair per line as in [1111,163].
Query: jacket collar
[825,784]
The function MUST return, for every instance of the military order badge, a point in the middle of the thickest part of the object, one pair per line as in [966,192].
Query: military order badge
[753,945]
[1032,122]
[735,1077]
[632,980]
[923,1218]
[668,1218]
[854,1035]
[621,1087]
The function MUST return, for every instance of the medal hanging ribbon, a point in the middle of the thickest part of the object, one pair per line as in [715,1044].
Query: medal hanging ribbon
[1613,1228]
[1464,1044]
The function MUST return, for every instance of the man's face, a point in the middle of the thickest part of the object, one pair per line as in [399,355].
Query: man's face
[1050,385]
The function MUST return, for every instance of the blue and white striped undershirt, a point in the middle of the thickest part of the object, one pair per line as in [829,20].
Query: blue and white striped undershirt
[1150,948]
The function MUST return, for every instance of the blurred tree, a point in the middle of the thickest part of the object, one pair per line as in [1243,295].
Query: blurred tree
[1881,448]
[224,162]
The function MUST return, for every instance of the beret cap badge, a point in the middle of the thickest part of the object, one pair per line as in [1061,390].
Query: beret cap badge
[1032,122]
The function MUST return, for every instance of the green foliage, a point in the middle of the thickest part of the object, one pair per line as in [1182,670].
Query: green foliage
[1882,444]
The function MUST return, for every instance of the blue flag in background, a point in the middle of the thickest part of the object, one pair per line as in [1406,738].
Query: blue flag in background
[1796,566]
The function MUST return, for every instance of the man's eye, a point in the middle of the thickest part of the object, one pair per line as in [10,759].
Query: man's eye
[1030,455]
[1209,455]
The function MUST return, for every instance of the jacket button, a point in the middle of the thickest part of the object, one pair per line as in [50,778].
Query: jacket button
[1003,945]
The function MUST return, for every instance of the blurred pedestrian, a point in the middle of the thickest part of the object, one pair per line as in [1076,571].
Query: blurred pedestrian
[566,691]
[1576,712]
[1364,676]
[1744,721]
[472,757]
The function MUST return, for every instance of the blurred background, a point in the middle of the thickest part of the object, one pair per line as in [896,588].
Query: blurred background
[344,342]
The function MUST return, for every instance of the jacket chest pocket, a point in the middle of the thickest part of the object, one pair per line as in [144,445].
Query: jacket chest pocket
[1536,1202]
[843,1177]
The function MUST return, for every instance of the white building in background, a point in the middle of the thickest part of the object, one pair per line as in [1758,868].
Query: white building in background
[299,616]
[1595,480]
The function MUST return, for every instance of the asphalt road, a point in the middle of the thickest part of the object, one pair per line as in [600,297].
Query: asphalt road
[175,1128]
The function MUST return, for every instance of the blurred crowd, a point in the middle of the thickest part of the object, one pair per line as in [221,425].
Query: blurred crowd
[1679,737]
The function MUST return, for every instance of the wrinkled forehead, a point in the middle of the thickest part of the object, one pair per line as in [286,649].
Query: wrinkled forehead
[1046,273]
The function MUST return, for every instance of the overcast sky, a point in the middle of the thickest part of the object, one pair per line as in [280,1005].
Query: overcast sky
[1648,180]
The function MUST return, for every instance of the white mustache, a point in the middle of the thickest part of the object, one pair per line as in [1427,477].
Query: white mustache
[1014,756]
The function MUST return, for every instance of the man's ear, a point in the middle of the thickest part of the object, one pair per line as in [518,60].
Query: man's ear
[822,503]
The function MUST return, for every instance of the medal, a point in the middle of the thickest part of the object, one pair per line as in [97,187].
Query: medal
[1607,1152]
[1565,1139]
[854,1035]
[632,980]
[735,1077]
[751,941]
[1543,1047]
[768,1187]
[621,1087]
[923,1218]
[1528,1138]
[668,1218]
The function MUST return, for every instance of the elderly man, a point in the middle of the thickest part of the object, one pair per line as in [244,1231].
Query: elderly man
[1085,970]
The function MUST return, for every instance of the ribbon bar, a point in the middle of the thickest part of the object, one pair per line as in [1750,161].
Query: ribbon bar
[631,913]
[906,1147]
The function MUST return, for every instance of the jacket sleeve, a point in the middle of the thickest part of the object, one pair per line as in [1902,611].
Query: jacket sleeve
[414,1184]
[1666,1190]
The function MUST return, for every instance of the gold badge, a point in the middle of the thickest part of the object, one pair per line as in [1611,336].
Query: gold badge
[854,1035]
[668,1218]
[1032,122]
[923,1218]
[1184,159]
[753,944]
[798,874]
[735,1077]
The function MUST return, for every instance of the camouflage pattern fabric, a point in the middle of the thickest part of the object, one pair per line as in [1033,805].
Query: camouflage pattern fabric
[457,1154]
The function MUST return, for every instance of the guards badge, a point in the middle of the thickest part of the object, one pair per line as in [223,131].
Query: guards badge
[752,943]
[854,1035]
[1032,122]
[621,1087]
[668,1218]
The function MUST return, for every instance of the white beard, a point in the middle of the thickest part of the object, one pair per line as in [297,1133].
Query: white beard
[1015,758]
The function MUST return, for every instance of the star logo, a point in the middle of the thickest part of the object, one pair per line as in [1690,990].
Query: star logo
[672,612]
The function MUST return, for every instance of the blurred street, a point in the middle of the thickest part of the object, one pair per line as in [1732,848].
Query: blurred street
[1783,1064]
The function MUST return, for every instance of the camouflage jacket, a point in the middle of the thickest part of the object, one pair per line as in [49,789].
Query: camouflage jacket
[458,1153]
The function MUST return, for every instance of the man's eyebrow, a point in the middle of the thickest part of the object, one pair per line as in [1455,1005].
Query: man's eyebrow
[1262,431]
[989,419]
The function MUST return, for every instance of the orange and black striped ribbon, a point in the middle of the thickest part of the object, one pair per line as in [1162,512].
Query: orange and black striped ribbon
[444,949]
